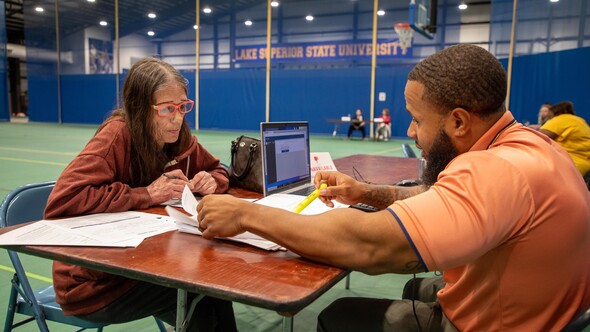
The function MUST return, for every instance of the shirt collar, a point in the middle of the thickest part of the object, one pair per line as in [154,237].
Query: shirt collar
[495,132]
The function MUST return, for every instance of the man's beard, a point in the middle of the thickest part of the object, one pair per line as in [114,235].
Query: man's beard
[440,155]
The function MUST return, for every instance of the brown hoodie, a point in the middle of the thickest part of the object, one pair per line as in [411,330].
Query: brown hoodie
[95,182]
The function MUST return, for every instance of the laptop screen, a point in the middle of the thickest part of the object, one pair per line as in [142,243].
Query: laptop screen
[285,155]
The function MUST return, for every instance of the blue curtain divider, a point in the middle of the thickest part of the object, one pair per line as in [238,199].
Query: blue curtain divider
[550,77]
[235,100]
[43,98]
[88,99]
[232,100]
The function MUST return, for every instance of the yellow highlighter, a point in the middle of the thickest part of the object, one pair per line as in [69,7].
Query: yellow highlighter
[304,203]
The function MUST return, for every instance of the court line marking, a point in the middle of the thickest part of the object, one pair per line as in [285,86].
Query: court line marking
[34,161]
[72,154]
[29,274]
[385,151]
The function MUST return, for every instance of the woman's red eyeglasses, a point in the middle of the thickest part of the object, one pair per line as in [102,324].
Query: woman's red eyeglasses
[167,109]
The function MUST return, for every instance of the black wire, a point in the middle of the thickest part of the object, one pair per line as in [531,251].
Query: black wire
[414,304]
[355,172]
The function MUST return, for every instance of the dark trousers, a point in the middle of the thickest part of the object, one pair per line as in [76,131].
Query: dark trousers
[417,311]
[361,128]
[147,299]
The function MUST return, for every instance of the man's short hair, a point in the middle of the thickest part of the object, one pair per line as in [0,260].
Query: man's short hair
[465,76]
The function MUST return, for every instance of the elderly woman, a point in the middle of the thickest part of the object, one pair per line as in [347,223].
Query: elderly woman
[142,155]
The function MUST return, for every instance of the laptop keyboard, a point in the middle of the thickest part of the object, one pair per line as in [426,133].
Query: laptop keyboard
[303,191]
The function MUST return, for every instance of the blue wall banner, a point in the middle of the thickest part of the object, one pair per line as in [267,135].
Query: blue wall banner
[347,50]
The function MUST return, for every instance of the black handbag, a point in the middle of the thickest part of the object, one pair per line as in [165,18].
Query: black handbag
[245,170]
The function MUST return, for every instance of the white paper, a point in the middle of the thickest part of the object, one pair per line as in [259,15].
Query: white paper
[189,202]
[289,201]
[125,229]
[321,161]
[190,224]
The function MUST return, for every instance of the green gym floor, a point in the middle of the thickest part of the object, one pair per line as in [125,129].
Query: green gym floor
[34,152]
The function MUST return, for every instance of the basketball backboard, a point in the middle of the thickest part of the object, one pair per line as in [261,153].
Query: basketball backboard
[422,17]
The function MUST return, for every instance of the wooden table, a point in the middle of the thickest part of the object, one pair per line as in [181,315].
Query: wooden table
[378,169]
[338,122]
[280,281]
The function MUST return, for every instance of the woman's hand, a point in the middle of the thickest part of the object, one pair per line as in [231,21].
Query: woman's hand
[168,186]
[203,183]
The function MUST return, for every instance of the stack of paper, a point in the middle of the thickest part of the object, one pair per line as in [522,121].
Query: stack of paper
[289,201]
[124,229]
[191,225]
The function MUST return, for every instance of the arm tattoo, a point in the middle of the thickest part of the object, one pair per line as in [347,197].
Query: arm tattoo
[379,196]
[413,267]
[383,196]
[403,192]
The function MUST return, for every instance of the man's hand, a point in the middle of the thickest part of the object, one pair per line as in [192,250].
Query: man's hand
[221,215]
[341,188]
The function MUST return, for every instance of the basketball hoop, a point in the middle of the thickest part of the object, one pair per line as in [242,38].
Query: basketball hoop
[404,32]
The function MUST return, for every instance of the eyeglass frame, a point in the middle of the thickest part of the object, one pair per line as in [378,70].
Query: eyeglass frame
[176,107]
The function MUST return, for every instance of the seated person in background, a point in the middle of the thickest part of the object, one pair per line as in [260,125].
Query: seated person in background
[357,123]
[571,132]
[384,127]
[542,117]
[486,216]
[122,168]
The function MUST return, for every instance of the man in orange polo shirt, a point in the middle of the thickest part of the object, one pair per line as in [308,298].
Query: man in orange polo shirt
[503,213]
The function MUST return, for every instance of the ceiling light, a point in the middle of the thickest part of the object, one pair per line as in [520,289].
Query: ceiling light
[554,0]
[274,3]
[380,12]
[309,18]
[152,15]
[151,33]
[463,6]
[248,23]
[207,10]
[103,23]
[91,0]
[39,9]
[195,27]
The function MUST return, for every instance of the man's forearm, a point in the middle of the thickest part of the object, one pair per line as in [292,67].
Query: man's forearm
[382,196]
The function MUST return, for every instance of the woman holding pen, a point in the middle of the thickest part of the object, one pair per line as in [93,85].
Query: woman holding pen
[142,155]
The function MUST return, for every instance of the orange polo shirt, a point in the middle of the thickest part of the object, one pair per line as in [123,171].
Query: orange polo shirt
[508,224]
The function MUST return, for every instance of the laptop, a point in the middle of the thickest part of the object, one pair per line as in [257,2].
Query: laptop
[285,158]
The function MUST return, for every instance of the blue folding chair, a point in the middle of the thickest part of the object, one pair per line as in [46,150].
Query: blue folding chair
[408,151]
[22,205]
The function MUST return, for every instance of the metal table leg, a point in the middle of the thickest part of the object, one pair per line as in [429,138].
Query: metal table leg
[287,324]
[182,316]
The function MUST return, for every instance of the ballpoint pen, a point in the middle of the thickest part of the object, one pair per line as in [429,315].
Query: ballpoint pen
[305,202]
[170,176]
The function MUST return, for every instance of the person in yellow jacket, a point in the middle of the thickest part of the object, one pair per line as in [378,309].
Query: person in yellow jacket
[571,132]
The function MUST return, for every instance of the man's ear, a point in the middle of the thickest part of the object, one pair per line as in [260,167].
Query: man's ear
[459,122]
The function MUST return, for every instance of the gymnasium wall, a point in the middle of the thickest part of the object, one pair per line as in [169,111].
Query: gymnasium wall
[232,93]
[4,111]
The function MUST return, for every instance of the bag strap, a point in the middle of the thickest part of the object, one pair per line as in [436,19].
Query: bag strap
[234,149]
